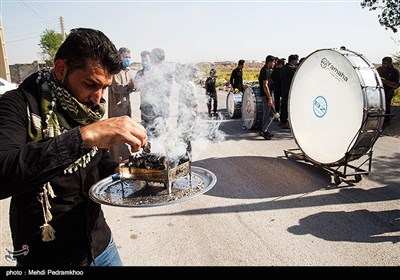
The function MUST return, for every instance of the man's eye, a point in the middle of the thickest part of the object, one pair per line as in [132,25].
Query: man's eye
[91,86]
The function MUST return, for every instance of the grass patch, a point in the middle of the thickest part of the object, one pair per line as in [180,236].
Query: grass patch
[396,96]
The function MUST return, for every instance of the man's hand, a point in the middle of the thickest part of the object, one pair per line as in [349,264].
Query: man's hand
[114,131]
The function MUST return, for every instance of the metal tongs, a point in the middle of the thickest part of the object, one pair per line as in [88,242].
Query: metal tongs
[146,149]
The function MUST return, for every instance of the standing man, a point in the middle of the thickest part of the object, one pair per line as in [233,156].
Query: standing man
[142,86]
[276,79]
[236,78]
[211,92]
[157,102]
[265,82]
[287,74]
[119,103]
[390,79]
[54,148]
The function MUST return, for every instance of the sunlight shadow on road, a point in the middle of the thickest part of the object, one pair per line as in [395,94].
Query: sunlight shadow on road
[261,177]
[353,226]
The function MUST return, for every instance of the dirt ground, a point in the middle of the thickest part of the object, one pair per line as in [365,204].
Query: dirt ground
[393,129]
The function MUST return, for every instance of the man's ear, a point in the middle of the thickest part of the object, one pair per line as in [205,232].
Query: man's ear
[60,70]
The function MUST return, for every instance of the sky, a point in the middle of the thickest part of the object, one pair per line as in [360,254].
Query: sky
[203,31]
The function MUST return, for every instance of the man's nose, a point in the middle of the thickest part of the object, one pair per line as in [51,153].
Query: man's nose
[96,96]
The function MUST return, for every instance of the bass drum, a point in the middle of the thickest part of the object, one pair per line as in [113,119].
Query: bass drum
[234,104]
[252,108]
[336,102]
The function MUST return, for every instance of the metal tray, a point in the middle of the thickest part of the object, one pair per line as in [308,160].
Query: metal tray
[115,191]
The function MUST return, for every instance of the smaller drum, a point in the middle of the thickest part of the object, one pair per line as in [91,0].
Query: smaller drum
[252,108]
[234,104]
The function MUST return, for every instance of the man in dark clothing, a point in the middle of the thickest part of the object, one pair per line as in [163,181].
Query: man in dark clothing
[265,82]
[276,79]
[211,93]
[236,78]
[390,79]
[54,148]
[287,74]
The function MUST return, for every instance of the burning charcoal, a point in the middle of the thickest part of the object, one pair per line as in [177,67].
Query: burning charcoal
[147,148]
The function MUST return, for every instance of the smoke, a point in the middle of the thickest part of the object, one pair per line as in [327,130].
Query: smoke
[171,109]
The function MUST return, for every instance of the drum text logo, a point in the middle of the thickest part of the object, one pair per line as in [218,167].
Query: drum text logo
[325,64]
[320,106]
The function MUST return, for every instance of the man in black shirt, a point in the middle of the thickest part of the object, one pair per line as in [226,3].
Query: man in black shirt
[265,83]
[390,79]
[236,79]
[211,92]
[287,74]
[54,148]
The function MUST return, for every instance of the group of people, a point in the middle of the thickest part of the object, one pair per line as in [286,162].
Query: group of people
[276,76]
[274,81]
[154,84]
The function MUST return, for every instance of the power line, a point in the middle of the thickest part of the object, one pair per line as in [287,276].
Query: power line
[26,5]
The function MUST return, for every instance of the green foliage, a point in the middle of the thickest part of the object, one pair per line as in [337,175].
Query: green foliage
[396,96]
[50,41]
[390,16]
[247,75]
[396,60]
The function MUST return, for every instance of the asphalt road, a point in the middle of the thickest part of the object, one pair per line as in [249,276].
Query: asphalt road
[265,209]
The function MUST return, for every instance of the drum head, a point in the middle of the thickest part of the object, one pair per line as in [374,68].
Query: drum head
[325,106]
[233,100]
[249,108]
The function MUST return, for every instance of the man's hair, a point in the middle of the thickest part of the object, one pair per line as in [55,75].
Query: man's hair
[270,58]
[281,61]
[83,44]
[241,62]
[293,57]
[387,59]
[144,53]
[124,50]
[158,54]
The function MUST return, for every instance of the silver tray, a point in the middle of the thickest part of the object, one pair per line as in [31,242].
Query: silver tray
[135,193]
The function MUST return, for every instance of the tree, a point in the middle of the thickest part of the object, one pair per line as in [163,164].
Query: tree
[390,16]
[50,41]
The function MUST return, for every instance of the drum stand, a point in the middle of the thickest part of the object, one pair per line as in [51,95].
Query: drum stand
[338,170]
[341,169]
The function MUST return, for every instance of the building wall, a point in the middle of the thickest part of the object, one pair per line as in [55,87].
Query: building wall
[19,72]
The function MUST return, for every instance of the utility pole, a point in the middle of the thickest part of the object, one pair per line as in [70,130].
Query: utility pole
[4,69]
[62,28]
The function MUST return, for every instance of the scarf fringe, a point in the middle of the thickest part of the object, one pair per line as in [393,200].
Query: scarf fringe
[51,95]
[48,233]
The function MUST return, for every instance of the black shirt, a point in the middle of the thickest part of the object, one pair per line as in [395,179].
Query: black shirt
[265,75]
[210,85]
[391,74]
[236,79]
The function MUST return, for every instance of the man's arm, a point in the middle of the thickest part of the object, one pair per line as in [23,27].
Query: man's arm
[232,78]
[24,165]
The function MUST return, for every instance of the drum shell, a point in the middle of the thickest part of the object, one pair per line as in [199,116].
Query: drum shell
[348,90]
[252,108]
[234,104]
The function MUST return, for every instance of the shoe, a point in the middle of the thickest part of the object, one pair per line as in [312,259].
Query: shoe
[266,137]
[285,126]
[269,134]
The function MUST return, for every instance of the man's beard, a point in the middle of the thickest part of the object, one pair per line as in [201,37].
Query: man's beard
[67,86]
